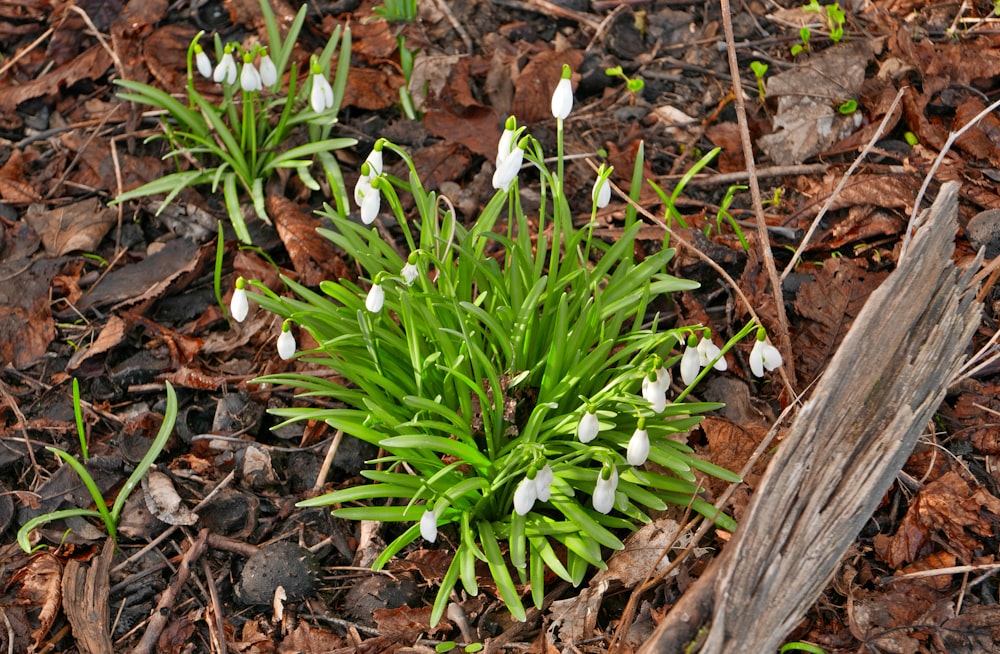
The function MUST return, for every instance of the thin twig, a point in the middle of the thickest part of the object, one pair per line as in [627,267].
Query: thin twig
[840,186]
[331,452]
[783,339]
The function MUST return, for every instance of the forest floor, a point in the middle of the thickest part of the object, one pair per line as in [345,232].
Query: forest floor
[123,300]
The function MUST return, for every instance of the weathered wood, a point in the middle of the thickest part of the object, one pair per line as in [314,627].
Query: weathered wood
[85,601]
[844,449]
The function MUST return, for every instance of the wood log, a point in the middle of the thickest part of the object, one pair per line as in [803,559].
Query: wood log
[843,451]
[86,590]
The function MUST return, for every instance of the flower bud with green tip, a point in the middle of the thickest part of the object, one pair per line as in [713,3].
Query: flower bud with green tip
[410,272]
[201,60]
[654,389]
[562,97]
[375,298]
[429,526]
[708,351]
[509,167]
[638,445]
[321,95]
[601,193]
[286,342]
[604,491]
[525,496]
[249,77]
[268,71]
[588,427]
[239,307]
[690,361]
[225,71]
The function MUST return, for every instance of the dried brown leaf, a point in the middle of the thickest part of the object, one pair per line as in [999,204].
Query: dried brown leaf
[313,257]
[78,226]
[41,585]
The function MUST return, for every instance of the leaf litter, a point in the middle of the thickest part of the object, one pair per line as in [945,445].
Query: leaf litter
[141,310]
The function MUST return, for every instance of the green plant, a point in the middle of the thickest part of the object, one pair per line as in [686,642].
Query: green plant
[799,646]
[406,57]
[241,143]
[397,11]
[111,516]
[671,212]
[513,377]
[723,213]
[81,430]
[450,646]
[759,69]
[835,18]
[911,138]
[848,107]
[804,35]
[635,85]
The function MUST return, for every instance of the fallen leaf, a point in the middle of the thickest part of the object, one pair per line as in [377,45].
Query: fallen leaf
[41,585]
[92,64]
[77,226]
[314,257]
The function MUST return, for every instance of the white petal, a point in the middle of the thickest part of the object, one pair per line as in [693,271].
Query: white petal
[562,99]
[543,483]
[508,170]
[690,365]
[504,146]
[374,161]
[375,299]
[771,356]
[286,345]
[204,64]
[238,306]
[655,393]
[321,96]
[268,72]
[361,189]
[429,526]
[370,205]
[604,492]
[588,428]
[638,448]
[524,496]
[757,358]
[225,71]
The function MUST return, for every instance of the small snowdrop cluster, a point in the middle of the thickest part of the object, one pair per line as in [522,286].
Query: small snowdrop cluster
[510,156]
[699,354]
[366,193]
[532,489]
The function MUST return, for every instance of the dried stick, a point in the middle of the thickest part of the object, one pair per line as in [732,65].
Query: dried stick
[784,342]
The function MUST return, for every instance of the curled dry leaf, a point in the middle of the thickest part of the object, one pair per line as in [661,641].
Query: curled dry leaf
[41,586]
[163,501]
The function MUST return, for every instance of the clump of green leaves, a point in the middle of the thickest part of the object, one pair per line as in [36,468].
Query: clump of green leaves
[723,214]
[239,144]
[397,11]
[803,46]
[514,375]
[834,15]
[110,516]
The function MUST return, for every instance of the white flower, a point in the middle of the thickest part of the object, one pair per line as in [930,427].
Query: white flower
[321,96]
[690,364]
[238,306]
[543,483]
[286,342]
[375,299]
[370,205]
[763,355]
[707,350]
[655,391]
[268,71]
[249,77]
[225,71]
[638,448]
[604,491]
[506,141]
[601,193]
[587,430]
[203,63]
[409,273]
[525,496]
[562,97]
[374,161]
[509,167]
[429,526]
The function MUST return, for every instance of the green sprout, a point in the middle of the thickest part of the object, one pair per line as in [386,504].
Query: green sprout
[835,18]
[759,69]
[671,212]
[848,107]
[911,138]
[81,430]
[723,213]
[239,144]
[804,34]
[635,85]
[406,57]
[515,387]
[112,516]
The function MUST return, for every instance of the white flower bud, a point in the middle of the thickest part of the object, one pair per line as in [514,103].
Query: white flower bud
[429,526]
[543,483]
[202,62]
[588,428]
[604,491]
[239,308]
[268,71]
[525,496]
[562,97]
[375,299]
[638,448]
[286,342]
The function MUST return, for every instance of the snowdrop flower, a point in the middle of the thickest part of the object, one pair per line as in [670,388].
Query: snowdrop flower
[429,526]
[601,193]
[268,71]
[506,143]
[509,167]
[763,355]
[543,483]
[225,71]
[286,342]
[525,496]
[202,62]
[365,190]
[708,350]
[249,77]
[654,391]
[562,97]
[238,306]
[371,202]
[638,446]
[690,361]
[409,273]
[587,430]
[375,299]
[604,491]
[321,96]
